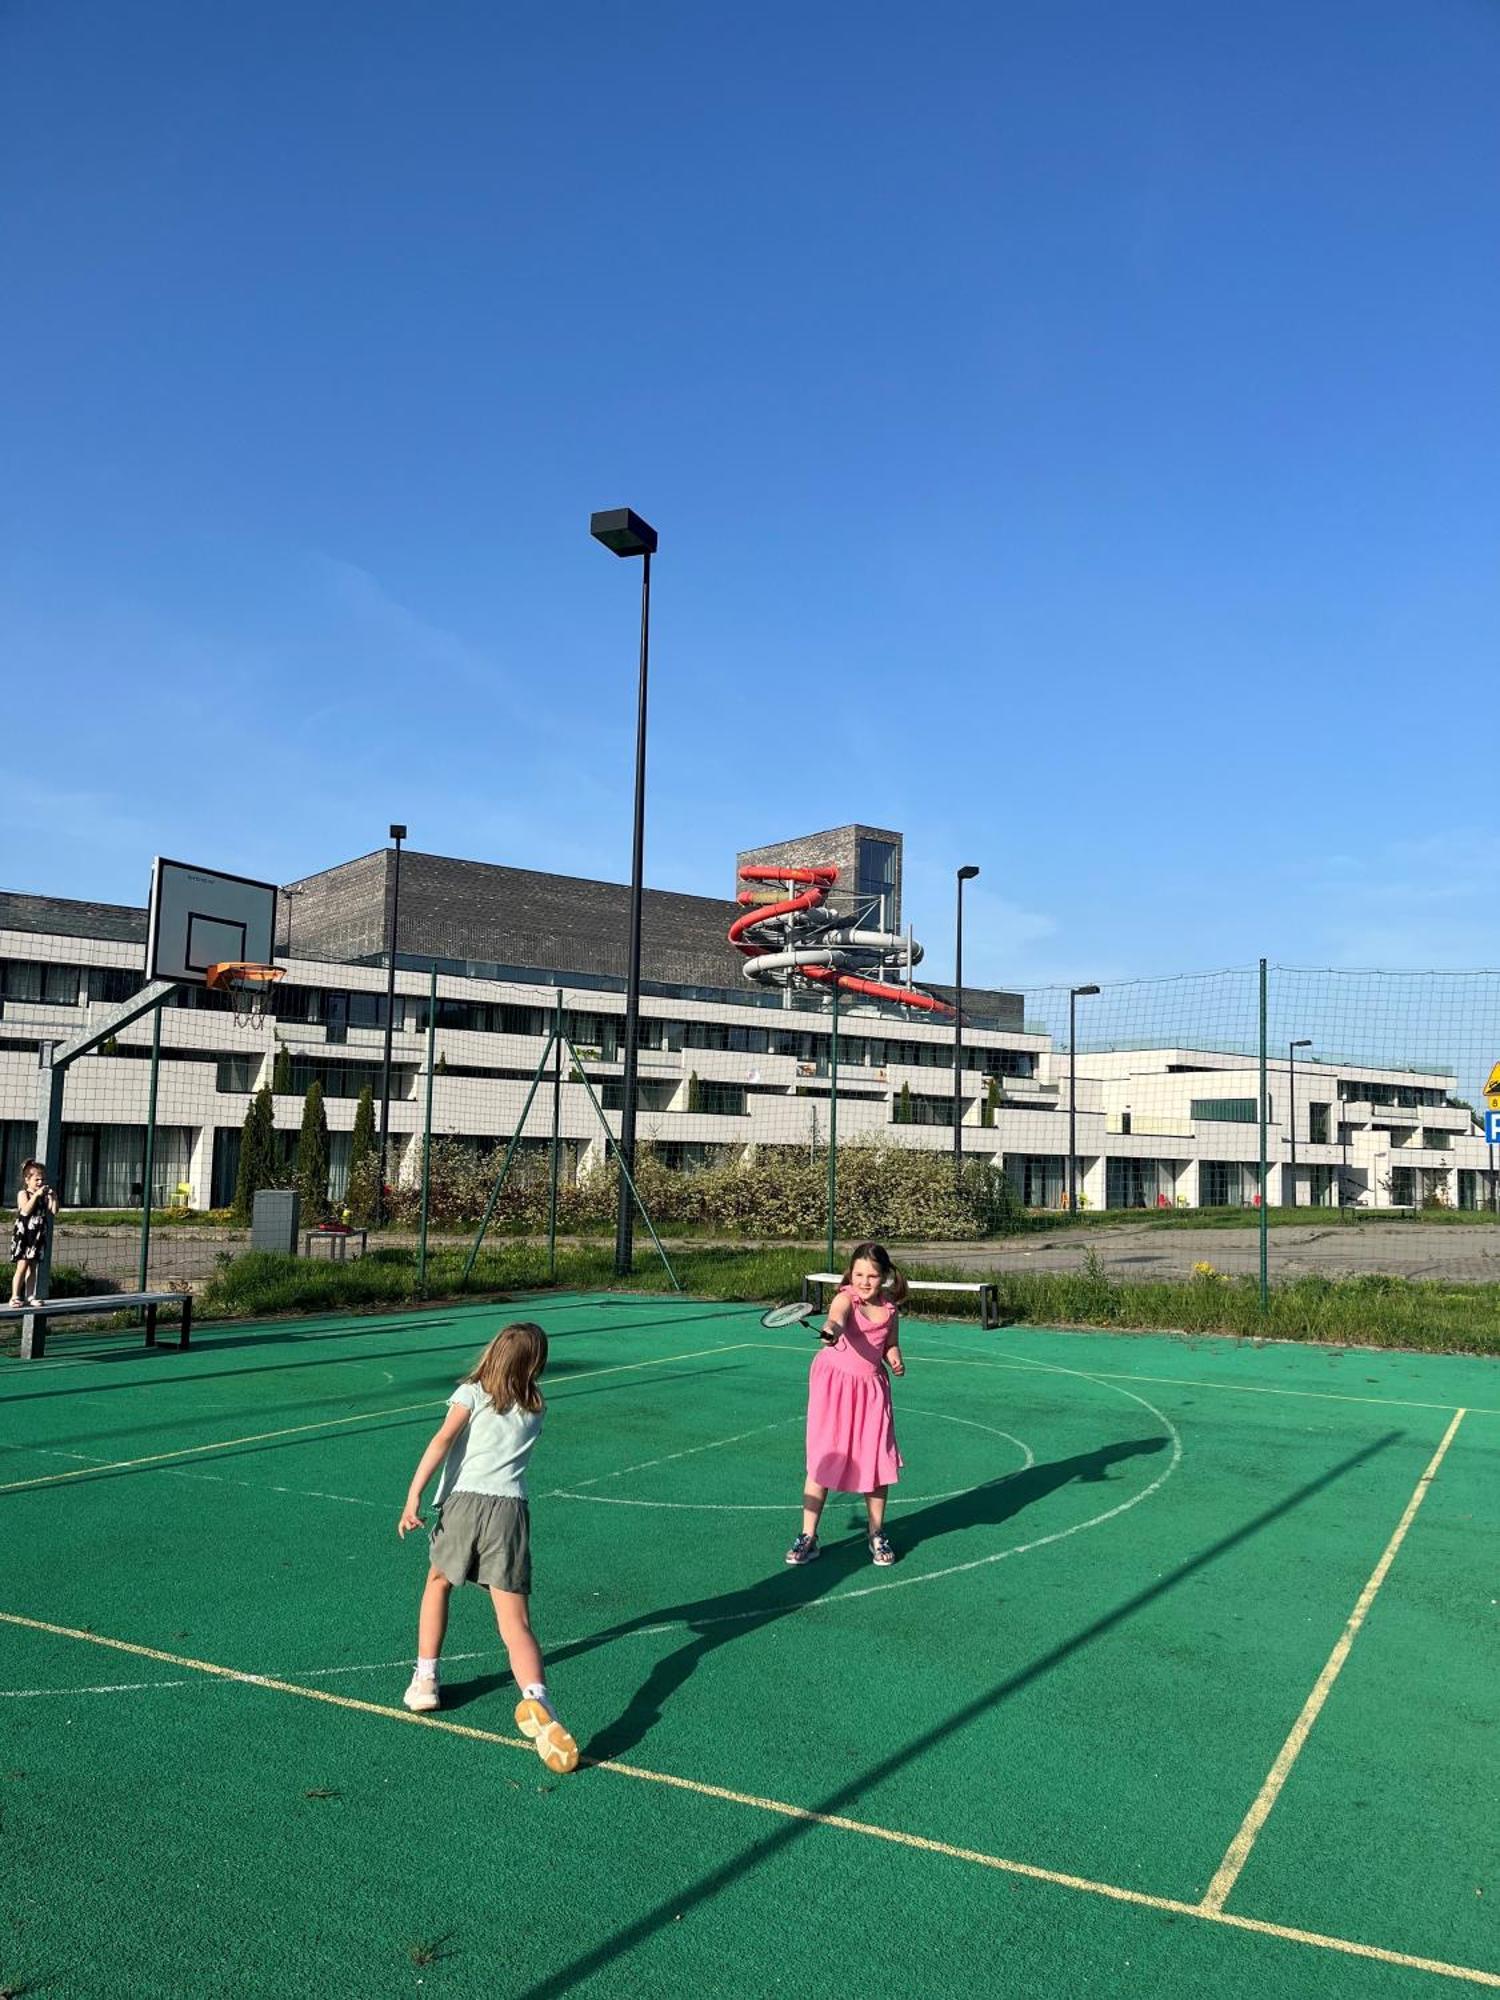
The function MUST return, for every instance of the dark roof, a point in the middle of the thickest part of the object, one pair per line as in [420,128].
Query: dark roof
[62,916]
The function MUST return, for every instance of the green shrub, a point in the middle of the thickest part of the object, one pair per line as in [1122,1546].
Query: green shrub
[883,1191]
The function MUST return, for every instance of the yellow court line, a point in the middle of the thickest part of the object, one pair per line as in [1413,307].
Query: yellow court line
[327,1423]
[1166,1381]
[1239,1848]
[780,1808]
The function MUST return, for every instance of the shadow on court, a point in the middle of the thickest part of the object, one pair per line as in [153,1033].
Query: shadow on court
[763,1848]
[718,1621]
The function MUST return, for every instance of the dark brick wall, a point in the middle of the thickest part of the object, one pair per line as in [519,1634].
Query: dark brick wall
[338,914]
[57,916]
[836,847]
[510,916]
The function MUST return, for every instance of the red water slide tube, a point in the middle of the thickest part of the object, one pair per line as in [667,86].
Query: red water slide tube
[802,951]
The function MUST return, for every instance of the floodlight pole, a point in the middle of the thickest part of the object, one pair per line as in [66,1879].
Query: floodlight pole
[427,1132]
[1075,994]
[398,834]
[1291,1112]
[966,874]
[624,533]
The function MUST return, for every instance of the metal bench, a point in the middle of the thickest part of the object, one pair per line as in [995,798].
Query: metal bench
[987,1294]
[35,1319]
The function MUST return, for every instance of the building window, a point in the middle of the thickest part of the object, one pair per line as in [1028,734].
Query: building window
[1228,1184]
[1223,1110]
[909,1109]
[41,983]
[1140,1183]
[1039,1179]
[876,876]
[722,1100]
[1403,1187]
[103,1165]
[649,1095]
[17,1144]
[1317,1123]
[113,984]
[237,1073]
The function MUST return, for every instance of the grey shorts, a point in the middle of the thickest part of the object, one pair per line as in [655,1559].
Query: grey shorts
[484,1538]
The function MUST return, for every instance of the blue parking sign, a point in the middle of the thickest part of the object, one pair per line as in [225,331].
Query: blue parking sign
[1492,1128]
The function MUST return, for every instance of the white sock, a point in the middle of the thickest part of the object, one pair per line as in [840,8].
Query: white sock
[427,1668]
[537,1691]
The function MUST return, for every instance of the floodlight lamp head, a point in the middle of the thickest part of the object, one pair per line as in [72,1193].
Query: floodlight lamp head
[1079,992]
[622,531]
[967,874]
[398,833]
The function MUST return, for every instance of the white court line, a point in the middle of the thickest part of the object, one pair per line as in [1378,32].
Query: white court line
[1025,1363]
[978,1562]
[217,1478]
[330,1423]
[645,1464]
[779,1506]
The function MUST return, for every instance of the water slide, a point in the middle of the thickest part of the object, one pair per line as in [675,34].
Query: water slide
[794,937]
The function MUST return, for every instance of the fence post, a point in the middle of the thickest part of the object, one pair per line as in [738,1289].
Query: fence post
[1265,1220]
[557,1054]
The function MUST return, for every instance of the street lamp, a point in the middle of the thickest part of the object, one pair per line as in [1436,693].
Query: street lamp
[1075,994]
[398,834]
[1291,1097]
[964,875]
[624,533]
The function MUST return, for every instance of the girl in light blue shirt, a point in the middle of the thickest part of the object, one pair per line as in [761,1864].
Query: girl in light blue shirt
[483,1530]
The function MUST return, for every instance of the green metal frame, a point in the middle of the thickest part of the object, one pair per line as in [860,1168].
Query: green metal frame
[557,1042]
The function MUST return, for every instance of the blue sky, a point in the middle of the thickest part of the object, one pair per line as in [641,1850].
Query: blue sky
[1073,433]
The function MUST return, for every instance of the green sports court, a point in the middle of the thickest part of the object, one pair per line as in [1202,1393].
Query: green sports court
[1184,1682]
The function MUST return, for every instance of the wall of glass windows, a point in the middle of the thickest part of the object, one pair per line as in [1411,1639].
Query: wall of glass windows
[1141,1183]
[1039,1179]
[1228,1184]
[104,1165]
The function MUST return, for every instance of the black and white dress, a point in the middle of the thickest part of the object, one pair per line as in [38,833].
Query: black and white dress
[28,1233]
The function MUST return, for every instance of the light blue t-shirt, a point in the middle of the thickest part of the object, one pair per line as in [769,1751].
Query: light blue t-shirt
[489,1454]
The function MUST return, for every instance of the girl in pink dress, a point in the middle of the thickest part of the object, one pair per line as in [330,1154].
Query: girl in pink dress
[851,1432]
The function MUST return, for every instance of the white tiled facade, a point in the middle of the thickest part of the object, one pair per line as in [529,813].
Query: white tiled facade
[1379,1138]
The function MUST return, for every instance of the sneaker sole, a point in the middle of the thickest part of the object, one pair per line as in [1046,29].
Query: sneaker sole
[800,1562]
[423,1705]
[549,1739]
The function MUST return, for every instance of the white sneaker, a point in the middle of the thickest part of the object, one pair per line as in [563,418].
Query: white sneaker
[549,1739]
[423,1694]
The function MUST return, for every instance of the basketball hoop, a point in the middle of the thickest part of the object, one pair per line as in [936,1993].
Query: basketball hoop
[248,986]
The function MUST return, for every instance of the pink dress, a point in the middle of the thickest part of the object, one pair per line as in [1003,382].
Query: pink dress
[851,1432]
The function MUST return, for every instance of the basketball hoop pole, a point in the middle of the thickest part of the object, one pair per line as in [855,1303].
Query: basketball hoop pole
[54,1059]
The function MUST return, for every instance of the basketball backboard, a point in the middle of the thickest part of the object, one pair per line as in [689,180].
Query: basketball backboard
[199,917]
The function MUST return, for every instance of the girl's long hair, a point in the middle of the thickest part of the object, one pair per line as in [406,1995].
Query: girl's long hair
[507,1370]
[892,1284]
